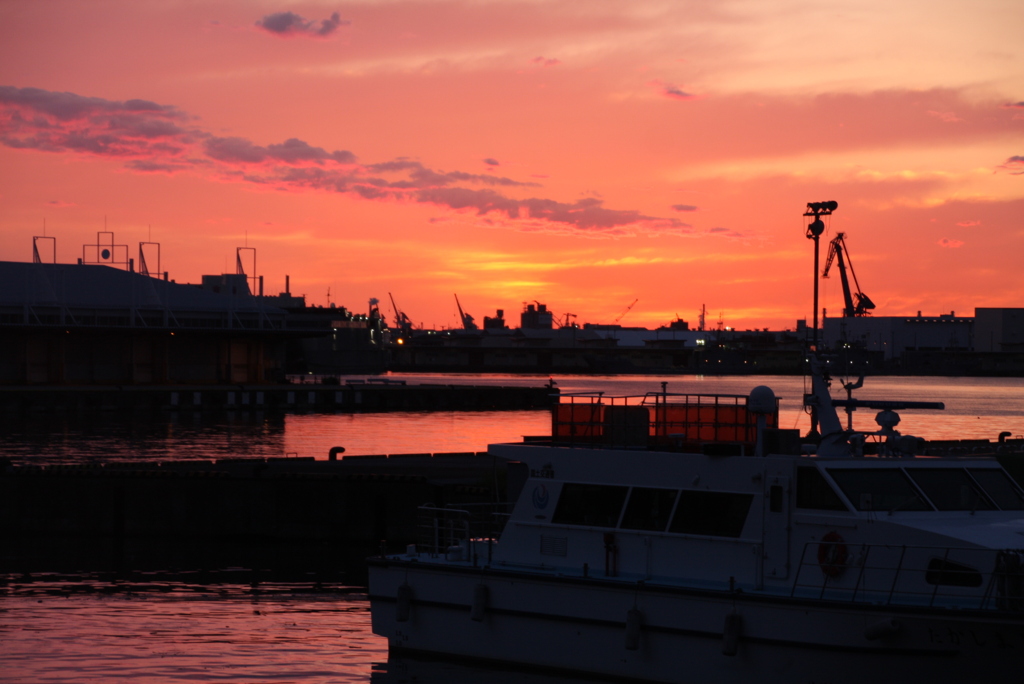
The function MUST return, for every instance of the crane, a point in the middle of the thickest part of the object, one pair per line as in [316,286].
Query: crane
[402,321]
[857,303]
[467,320]
[619,317]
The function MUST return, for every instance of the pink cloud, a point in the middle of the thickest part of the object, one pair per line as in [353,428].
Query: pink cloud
[725,232]
[1014,105]
[684,207]
[968,224]
[60,204]
[289,24]
[1015,165]
[153,138]
[546,61]
[948,117]
[671,91]
[953,244]
[65,122]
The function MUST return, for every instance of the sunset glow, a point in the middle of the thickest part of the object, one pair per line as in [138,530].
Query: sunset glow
[584,155]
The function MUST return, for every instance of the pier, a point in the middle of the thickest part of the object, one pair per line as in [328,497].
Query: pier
[284,514]
[368,395]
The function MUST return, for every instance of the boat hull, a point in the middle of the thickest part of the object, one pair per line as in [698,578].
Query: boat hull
[643,631]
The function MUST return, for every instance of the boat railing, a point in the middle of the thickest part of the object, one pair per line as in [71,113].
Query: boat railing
[985,579]
[656,419]
[462,532]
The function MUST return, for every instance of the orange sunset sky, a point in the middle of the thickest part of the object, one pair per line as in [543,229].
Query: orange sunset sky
[580,154]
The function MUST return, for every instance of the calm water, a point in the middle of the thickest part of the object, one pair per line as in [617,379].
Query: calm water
[167,633]
[95,630]
[976,408]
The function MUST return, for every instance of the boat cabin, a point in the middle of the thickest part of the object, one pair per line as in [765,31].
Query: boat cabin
[674,489]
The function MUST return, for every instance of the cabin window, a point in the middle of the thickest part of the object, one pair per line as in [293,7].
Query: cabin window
[878,489]
[716,514]
[648,509]
[813,491]
[589,504]
[950,489]
[947,573]
[998,485]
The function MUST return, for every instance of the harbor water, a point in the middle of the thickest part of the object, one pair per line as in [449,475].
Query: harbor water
[154,627]
[976,408]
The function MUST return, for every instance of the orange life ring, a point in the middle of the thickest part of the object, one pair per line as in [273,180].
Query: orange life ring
[832,554]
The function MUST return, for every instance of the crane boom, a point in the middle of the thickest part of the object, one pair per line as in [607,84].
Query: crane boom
[857,303]
[402,321]
[467,320]
[619,317]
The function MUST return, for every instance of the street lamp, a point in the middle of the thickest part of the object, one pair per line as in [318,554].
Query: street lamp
[814,231]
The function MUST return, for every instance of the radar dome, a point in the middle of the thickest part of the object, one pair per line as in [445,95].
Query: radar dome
[762,400]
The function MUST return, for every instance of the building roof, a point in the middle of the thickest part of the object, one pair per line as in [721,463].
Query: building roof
[92,295]
[98,286]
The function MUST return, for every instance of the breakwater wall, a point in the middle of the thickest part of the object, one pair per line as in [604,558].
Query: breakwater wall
[278,512]
[351,397]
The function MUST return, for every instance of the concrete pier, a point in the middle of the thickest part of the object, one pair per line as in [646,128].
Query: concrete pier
[351,397]
[210,514]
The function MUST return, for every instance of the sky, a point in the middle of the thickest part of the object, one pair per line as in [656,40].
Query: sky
[623,162]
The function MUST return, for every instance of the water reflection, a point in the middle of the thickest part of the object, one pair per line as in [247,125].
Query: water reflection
[187,633]
[976,408]
[164,629]
[90,437]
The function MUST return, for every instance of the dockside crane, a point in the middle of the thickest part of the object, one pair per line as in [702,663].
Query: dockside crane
[857,303]
[619,317]
[402,321]
[467,320]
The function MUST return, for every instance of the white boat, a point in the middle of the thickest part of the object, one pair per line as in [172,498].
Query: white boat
[685,538]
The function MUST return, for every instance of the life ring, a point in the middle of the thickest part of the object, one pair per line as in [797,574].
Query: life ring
[832,554]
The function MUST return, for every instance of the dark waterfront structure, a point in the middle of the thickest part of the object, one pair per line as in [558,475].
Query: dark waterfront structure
[600,349]
[990,343]
[287,515]
[91,324]
[73,324]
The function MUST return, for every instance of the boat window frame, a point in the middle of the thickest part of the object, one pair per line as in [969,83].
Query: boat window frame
[558,519]
[978,490]
[1007,478]
[929,507]
[629,500]
[845,505]
[750,496]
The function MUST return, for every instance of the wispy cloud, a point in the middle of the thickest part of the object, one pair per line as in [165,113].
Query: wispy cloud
[952,244]
[725,232]
[671,91]
[968,224]
[153,138]
[546,61]
[1015,165]
[289,24]
[948,117]
[684,207]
